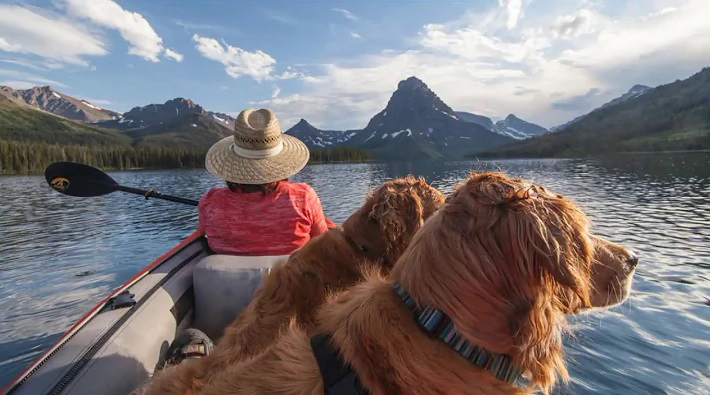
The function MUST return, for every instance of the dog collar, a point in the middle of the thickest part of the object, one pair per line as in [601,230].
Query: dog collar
[439,325]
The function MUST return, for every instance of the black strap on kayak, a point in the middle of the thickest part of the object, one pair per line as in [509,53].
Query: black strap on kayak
[338,377]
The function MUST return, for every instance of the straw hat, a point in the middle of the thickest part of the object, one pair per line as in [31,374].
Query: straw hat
[257,153]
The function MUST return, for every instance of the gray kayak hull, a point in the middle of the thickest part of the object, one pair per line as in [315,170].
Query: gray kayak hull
[117,345]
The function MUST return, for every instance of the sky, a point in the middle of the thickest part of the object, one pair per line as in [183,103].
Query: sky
[336,63]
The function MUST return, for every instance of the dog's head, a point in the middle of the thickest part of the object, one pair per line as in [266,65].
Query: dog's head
[383,227]
[507,260]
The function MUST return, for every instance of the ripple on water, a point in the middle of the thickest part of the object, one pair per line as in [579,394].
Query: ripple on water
[59,255]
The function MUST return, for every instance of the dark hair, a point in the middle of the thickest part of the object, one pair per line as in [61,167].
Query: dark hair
[253,188]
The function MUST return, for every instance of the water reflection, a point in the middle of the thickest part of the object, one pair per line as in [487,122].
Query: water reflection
[58,255]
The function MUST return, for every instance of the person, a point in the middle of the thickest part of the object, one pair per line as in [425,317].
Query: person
[260,212]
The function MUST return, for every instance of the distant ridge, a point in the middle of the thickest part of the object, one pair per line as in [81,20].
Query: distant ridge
[416,123]
[178,122]
[635,91]
[674,116]
[48,99]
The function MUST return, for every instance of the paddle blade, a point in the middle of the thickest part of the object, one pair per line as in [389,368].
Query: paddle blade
[75,179]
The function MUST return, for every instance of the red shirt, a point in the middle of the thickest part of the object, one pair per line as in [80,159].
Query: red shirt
[279,223]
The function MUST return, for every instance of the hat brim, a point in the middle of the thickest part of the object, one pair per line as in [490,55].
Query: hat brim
[224,163]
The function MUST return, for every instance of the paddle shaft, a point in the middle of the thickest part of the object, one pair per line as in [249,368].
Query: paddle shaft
[153,194]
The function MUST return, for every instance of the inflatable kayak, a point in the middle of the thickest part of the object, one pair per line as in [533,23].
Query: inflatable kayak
[120,342]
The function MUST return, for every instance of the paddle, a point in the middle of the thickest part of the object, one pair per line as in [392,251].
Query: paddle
[75,179]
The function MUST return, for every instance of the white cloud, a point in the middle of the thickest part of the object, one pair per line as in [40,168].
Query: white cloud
[476,64]
[23,63]
[275,92]
[661,12]
[174,55]
[6,46]
[15,84]
[355,35]
[514,8]
[345,13]
[31,31]
[238,62]
[132,26]
[30,78]
[290,74]
[100,102]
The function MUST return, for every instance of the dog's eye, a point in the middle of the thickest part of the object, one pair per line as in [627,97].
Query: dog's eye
[363,248]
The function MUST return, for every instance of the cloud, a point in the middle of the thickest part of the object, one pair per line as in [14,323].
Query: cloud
[238,62]
[345,13]
[174,55]
[15,84]
[100,102]
[543,74]
[355,35]
[281,17]
[30,78]
[514,8]
[30,31]
[190,26]
[6,46]
[24,63]
[661,12]
[572,26]
[577,103]
[132,26]
[275,92]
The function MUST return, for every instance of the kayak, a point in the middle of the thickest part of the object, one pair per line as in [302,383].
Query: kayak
[119,343]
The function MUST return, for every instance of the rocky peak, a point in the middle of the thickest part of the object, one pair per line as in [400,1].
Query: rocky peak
[639,89]
[169,109]
[411,83]
[512,117]
[414,96]
[302,124]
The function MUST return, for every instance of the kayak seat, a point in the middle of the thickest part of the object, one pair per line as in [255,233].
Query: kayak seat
[224,286]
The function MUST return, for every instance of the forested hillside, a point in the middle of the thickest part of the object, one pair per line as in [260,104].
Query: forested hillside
[675,116]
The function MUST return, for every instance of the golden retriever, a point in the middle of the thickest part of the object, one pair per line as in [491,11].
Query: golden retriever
[502,263]
[377,233]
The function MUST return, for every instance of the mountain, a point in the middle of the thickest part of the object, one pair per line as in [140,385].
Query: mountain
[47,99]
[176,123]
[223,119]
[475,118]
[518,129]
[635,91]
[316,138]
[415,124]
[9,95]
[511,126]
[674,116]
[22,122]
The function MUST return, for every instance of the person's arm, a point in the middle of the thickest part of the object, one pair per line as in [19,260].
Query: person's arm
[319,223]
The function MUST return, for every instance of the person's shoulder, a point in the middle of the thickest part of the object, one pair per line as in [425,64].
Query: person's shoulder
[302,188]
[217,191]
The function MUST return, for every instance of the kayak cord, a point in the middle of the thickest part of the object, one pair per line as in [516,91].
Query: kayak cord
[76,368]
[89,354]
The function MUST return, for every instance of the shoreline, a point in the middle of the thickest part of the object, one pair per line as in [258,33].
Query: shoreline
[471,158]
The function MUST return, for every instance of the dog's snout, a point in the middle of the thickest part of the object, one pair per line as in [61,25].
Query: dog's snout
[632,260]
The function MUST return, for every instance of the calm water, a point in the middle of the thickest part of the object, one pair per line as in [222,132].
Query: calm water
[59,255]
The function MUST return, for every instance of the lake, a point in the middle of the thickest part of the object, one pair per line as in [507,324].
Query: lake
[59,255]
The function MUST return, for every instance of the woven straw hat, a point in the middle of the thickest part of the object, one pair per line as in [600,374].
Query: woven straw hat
[257,153]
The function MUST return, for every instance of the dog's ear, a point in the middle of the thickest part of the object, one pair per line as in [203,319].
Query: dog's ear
[399,213]
[541,231]
[553,238]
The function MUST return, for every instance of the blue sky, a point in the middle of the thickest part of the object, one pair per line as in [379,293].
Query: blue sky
[336,63]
